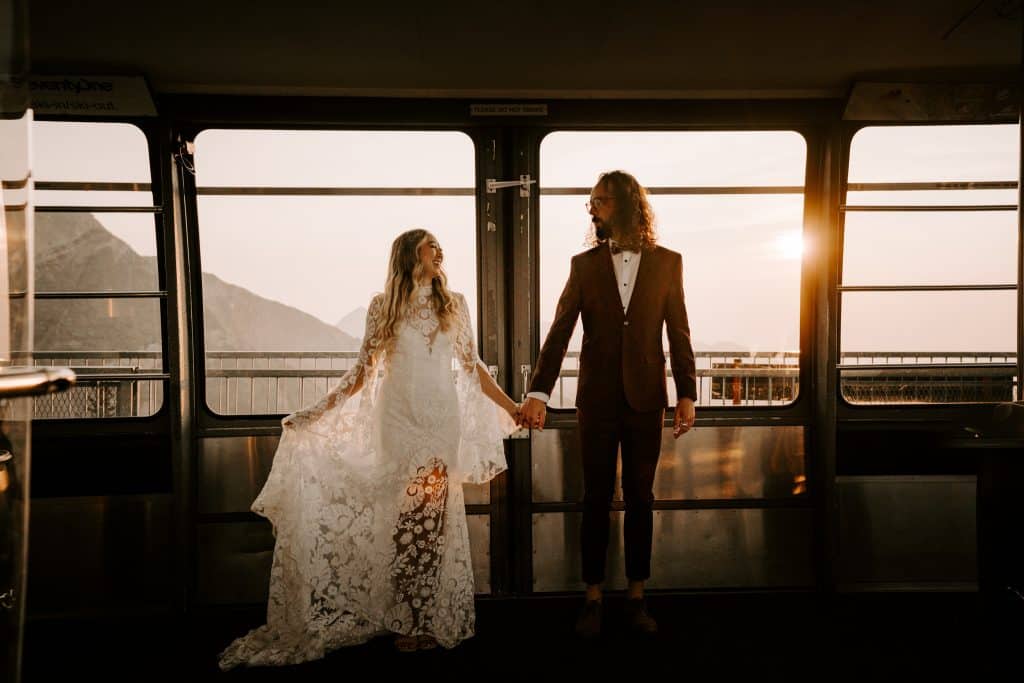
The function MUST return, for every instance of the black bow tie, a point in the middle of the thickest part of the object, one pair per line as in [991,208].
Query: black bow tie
[614,247]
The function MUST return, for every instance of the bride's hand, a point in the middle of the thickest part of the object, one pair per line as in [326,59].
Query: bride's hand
[513,410]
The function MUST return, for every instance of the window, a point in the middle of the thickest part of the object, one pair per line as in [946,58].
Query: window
[732,203]
[98,295]
[929,271]
[295,232]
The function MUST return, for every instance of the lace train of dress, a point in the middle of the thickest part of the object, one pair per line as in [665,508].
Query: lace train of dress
[365,497]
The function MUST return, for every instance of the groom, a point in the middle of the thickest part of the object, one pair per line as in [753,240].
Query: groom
[627,289]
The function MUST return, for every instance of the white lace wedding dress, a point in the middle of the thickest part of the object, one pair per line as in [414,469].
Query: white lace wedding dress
[365,496]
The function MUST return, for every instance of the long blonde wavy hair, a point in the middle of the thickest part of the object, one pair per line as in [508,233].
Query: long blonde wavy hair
[633,213]
[404,271]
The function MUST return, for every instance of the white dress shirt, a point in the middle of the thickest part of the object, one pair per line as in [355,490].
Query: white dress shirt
[626,265]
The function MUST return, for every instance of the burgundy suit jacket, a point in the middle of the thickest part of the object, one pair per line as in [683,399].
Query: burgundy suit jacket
[622,348]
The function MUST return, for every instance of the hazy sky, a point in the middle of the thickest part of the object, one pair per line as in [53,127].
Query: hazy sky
[327,255]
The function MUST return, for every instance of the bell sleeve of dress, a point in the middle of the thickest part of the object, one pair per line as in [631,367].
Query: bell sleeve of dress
[484,425]
[317,438]
[354,379]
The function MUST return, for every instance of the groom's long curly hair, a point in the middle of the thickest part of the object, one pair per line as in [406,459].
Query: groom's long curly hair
[633,213]
[404,271]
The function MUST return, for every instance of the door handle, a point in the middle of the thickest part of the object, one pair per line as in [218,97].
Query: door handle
[522,432]
[524,370]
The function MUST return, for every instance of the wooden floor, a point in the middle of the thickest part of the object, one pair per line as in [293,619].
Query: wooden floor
[708,636]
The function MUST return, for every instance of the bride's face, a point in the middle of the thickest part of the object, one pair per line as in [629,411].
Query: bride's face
[430,256]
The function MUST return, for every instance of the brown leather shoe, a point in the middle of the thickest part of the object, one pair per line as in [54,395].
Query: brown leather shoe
[588,624]
[638,620]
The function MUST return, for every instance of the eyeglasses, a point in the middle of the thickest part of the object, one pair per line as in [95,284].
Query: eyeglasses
[598,202]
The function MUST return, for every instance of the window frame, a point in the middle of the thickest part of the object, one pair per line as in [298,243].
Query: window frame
[162,216]
[212,423]
[794,413]
[849,412]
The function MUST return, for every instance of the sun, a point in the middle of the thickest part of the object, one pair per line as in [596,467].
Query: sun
[790,245]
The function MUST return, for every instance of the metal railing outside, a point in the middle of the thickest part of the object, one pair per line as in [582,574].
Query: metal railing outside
[130,384]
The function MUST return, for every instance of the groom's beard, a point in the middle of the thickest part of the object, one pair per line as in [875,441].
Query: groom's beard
[602,229]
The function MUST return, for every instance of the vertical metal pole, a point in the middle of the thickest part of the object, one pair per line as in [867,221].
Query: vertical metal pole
[825,179]
[525,275]
[492,267]
[183,288]
[16,216]
[1020,249]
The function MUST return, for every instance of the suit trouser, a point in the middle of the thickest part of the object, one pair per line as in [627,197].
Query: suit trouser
[639,433]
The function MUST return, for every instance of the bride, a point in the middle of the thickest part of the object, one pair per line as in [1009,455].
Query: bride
[365,492]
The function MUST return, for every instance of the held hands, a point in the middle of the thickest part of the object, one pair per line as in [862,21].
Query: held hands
[532,414]
[685,416]
[514,410]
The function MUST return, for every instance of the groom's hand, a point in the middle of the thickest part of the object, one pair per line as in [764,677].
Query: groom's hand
[686,414]
[532,414]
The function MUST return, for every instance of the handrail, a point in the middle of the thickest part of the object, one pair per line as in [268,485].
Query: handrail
[33,381]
